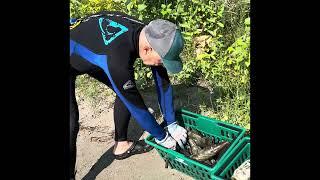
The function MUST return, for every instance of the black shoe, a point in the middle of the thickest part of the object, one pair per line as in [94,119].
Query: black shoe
[137,147]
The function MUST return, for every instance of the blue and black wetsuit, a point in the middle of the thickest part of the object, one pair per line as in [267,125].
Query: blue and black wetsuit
[105,46]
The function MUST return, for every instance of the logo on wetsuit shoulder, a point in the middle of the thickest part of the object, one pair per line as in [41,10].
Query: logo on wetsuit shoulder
[128,85]
[110,30]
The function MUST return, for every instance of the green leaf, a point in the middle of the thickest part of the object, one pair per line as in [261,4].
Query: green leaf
[185,25]
[212,20]
[213,33]
[212,55]
[239,59]
[206,76]
[247,21]
[247,63]
[141,7]
[237,67]
[209,31]
[220,11]
[220,24]
[163,12]
[187,38]
[163,6]
[230,49]
[187,33]
[129,6]
[184,14]
[202,56]
[179,9]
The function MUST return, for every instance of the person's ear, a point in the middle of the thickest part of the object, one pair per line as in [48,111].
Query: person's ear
[147,50]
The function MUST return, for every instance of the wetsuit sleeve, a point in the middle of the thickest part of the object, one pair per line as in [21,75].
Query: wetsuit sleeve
[123,83]
[165,96]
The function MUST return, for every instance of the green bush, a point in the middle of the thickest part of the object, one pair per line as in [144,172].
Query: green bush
[217,47]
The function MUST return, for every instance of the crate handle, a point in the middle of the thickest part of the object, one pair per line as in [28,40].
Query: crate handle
[228,126]
[196,116]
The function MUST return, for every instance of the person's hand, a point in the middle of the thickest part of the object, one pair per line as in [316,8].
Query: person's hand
[178,133]
[167,142]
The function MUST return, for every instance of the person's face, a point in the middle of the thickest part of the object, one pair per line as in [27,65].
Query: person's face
[150,57]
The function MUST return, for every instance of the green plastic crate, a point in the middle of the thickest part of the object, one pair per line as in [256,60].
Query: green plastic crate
[237,156]
[209,127]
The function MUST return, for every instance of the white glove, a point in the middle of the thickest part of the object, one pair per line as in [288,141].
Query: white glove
[178,133]
[167,142]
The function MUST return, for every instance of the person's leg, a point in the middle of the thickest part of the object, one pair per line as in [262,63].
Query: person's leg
[123,147]
[74,125]
[78,66]
[121,121]
[121,115]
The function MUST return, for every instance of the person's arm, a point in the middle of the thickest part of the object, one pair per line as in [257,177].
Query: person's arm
[123,83]
[165,96]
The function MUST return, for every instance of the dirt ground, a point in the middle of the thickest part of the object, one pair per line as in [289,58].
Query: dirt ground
[95,142]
